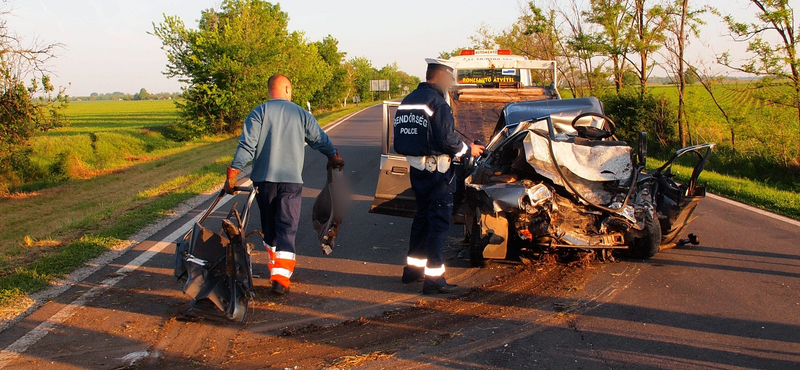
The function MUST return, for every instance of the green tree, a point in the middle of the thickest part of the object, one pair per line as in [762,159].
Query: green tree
[29,103]
[585,47]
[648,28]
[407,82]
[629,78]
[684,22]
[392,73]
[349,77]
[633,113]
[615,22]
[483,38]
[228,59]
[690,77]
[545,41]
[142,95]
[582,44]
[776,59]
[335,91]
[363,72]
[302,63]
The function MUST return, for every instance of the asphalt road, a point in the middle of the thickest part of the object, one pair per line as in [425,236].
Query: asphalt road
[732,302]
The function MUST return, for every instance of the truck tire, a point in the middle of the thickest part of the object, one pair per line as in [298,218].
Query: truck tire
[647,246]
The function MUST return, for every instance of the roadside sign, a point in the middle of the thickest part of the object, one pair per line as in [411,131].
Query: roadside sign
[379,85]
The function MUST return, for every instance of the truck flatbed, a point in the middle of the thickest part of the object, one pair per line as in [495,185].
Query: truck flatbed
[476,109]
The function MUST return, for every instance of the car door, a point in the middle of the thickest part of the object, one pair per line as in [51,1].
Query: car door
[393,195]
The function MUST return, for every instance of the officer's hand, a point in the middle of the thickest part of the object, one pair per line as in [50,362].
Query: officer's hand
[230,183]
[477,150]
[336,161]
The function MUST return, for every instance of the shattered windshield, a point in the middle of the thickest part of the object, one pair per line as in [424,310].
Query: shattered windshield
[510,130]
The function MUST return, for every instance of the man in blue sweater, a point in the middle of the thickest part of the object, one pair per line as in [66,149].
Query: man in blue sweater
[273,138]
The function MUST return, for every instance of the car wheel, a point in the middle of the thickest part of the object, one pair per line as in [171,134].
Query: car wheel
[648,245]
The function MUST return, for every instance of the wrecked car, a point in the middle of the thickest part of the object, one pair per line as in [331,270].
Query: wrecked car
[555,177]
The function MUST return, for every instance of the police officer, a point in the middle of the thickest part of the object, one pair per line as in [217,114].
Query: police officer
[424,133]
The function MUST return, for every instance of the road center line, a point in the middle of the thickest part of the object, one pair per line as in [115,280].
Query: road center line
[30,338]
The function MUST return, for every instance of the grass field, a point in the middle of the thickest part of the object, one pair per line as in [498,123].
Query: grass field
[758,141]
[759,126]
[103,136]
[746,191]
[129,176]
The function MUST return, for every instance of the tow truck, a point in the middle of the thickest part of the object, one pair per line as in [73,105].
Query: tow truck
[486,80]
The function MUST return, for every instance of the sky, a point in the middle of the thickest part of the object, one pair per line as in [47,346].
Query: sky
[107,46]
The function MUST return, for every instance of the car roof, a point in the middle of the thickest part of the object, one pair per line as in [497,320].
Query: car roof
[562,108]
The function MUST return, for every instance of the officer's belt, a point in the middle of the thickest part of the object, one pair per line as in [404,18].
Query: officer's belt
[431,163]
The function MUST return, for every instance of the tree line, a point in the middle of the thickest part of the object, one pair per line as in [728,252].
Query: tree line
[143,94]
[226,61]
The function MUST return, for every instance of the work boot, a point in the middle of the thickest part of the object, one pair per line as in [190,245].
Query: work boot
[437,285]
[279,289]
[413,274]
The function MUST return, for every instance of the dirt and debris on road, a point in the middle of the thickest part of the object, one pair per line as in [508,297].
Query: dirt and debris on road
[409,336]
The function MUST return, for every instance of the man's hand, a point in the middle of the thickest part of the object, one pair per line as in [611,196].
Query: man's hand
[336,161]
[230,183]
[476,150]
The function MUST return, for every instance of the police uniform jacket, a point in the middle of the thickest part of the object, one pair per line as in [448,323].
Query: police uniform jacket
[424,126]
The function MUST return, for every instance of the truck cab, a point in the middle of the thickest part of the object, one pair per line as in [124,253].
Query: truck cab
[486,80]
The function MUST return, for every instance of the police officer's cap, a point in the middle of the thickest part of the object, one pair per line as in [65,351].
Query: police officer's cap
[443,64]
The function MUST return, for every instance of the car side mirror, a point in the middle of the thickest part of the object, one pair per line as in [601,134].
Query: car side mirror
[642,150]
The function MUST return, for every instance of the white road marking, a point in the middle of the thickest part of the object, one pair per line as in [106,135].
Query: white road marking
[32,337]
[760,211]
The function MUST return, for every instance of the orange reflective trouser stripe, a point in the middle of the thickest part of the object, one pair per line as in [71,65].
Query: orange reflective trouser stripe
[281,265]
[282,268]
[271,252]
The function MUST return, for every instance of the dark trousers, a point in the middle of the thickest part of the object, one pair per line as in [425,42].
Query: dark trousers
[279,204]
[434,194]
